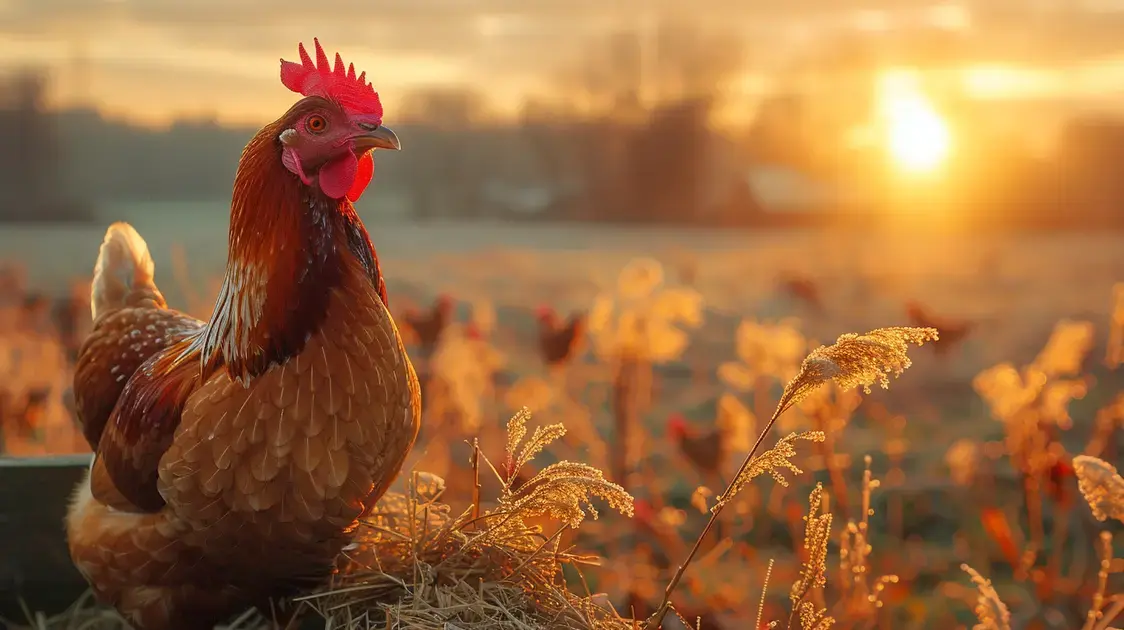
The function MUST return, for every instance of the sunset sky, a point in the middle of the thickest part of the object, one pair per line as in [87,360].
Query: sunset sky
[152,60]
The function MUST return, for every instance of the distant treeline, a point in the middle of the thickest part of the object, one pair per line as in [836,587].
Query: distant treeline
[106,160]
[671,169]
[559,169]
[666,167]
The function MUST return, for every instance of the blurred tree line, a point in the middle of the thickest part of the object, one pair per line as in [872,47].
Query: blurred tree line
[629,136]
[31,155]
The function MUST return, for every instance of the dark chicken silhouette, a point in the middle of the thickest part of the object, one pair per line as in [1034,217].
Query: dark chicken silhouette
[952,331]
[21,417]
[35,313]
[1060,477]
[1059,484]
[34,411]
[709,450]
[559,342]
[802,289]
[425,328]
[70,316]
[706,450]
[473,332]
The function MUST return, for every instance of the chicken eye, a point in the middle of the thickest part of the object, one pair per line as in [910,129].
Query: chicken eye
[316,123]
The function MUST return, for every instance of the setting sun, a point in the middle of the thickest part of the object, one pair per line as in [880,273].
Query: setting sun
[916,135]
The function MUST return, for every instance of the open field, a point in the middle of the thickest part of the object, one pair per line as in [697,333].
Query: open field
[932,511]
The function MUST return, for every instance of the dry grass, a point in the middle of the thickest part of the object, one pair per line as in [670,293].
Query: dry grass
[415,565]
[852,361]
[990,610]
[1101,486]
[418,566]
[813,571]
[500,561]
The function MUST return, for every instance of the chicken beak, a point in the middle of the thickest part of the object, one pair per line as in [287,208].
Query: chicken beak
[376,137]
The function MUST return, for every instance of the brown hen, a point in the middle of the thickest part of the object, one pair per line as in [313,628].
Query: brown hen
[804,289]
[235,457]
[953,331]
[425,328]
[559,341]
[705,450]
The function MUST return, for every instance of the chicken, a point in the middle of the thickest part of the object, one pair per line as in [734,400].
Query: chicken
[70,315]
[35,316]
[709,451]
[559,342]
[34,412]
[804,290]
[426,328]
[473,332]
[952,331]
[1059,486]
[235,457]
[704,449]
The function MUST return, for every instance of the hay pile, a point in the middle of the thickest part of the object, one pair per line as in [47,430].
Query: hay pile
[416,565]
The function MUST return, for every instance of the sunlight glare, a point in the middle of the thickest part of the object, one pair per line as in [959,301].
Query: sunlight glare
[916,135]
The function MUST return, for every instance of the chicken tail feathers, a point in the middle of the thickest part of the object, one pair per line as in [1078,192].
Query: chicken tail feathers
[123,275]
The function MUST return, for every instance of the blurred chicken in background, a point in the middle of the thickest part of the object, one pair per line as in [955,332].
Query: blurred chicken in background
[559,341]
[34,373]
[953,331]
[424,328]
[710,450]
[71,318]
[803,289]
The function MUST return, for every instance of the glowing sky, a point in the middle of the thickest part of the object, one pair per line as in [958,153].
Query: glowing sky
[155,59]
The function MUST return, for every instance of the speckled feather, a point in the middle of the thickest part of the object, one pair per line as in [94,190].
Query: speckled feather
[120,342]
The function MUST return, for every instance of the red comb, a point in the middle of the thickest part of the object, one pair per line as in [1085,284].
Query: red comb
[676,424]
[352,92]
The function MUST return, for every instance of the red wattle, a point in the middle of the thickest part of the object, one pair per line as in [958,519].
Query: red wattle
[363,175]
[338,176]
